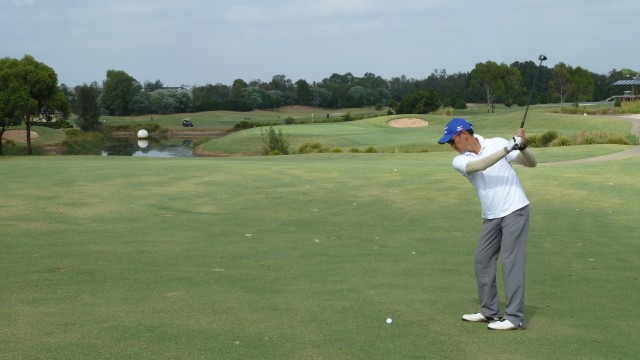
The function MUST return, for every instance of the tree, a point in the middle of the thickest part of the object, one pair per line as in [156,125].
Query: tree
[457,101]
[29,92]
[421,102]
[8,100]
[487,77]
[236,89]
[118,90]
[401,87]
[303,92]
[255,96]
[512,86]
[560,81]
[338,85]
[357,96]
[206,98]
[581,86]
[86,106]
[153,86]
[280,83]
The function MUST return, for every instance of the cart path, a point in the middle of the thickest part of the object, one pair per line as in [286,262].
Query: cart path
[635,129]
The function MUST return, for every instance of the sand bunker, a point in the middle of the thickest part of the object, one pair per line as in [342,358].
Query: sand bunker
[408,122]
[18,135]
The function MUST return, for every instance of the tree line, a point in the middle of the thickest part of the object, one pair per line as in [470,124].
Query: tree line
[120,94]
[40,98]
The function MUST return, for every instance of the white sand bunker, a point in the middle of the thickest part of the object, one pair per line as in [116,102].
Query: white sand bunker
[408,122]
[18,135]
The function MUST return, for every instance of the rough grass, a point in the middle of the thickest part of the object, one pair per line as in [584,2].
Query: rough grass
[303,257]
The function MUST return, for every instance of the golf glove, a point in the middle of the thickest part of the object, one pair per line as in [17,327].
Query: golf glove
[514,143]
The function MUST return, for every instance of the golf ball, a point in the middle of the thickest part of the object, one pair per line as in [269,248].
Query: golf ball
[389,320]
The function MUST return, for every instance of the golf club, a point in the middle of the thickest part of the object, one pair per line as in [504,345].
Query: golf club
[541,58]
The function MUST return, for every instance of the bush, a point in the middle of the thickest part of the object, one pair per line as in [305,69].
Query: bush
[9,143]
[354,150]
[73,133]
[601,137]
[370,150]
[274,142]
[307,148]
[243,125]
[89,143]
[289,120]
[445,111]
[569,110]
[562,141]
[548,137]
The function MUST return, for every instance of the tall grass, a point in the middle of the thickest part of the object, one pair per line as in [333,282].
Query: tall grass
[551,138]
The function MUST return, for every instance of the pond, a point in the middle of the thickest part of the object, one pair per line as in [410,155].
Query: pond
[149,148]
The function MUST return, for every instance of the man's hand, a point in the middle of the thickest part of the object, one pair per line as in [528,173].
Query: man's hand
[523,144]
[514,144]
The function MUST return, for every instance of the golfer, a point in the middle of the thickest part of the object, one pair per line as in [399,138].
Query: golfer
[487,163]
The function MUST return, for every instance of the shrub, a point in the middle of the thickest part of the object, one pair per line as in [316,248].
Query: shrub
[354,150]
[617,103]
[289,120]
[569,110]
[619,139]
[336,150]
[243,125]
[274,142]
[89,143]
[445,111]
[548,137]
[370,150]
[73,133]
[307,148]
[534,141]
[562,141]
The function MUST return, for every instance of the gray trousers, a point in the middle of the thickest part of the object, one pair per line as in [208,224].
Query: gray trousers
[505,237]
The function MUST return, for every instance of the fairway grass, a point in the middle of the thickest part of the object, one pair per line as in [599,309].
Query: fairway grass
[377,134]
[304,257]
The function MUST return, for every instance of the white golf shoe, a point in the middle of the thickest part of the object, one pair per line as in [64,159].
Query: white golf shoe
[478,317]
[504,325]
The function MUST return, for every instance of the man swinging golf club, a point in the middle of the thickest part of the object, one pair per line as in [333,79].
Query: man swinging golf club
[486,163]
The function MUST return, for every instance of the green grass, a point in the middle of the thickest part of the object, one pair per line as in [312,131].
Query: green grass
[304,257]
[225,120]
[363,134]
[375,132]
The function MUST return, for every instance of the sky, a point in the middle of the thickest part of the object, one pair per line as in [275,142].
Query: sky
[199,42]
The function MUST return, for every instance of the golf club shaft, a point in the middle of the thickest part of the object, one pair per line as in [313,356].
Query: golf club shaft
[541,58]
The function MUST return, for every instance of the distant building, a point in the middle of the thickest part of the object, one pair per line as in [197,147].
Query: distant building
[629,95]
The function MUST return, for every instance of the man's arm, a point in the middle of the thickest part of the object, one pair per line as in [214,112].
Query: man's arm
[486,162]
[526,158]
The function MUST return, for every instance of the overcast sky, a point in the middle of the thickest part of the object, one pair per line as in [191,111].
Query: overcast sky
[198,42]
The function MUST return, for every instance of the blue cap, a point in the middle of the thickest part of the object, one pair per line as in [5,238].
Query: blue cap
[452,128]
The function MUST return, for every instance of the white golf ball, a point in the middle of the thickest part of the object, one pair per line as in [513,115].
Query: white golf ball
[389,320]
[143,134]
